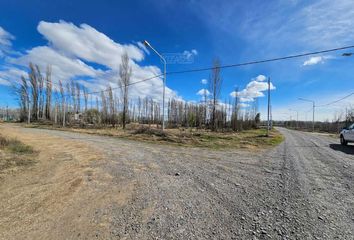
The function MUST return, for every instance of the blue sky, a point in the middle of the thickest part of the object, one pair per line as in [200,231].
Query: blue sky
[84,40]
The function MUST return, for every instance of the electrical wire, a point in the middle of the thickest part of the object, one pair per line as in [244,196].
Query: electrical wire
[338,100]
[227,66]
[237,65]
[263,61]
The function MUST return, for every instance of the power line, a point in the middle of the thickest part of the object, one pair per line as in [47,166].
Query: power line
[234,65]
[143,80]
[228,66]
[239,64]
[330,103]
[263,61]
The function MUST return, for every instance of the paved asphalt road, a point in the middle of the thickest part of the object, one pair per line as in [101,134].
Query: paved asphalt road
[301,189]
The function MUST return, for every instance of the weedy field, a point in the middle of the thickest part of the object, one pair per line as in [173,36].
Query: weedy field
[15,155]
[255,138]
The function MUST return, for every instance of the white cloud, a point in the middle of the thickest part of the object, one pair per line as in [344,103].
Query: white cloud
[254,89]
[316,60]
[4,82]
[72,49]
[10,76]
[63,67]
[260,78]
[245,99]
[243,105]
[190,54]
[303,25]
[143,47]
[203,92]
[5,41]
[204,81]
[5,38]
[87,43]
[328,22]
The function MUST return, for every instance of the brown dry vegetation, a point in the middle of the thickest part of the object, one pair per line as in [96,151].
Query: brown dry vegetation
[184,137]
[14,155]
[52,192]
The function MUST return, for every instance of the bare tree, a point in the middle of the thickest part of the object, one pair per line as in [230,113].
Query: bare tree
[34,90]
[111,106]
[48,92]
[235,112]
[63,102]
[205,97]
[125,72]
[104,107]
[97,104]
[73,95]
[86,98]
[23,96]
[78,98]
[40,84]
[215,83]
[139,109]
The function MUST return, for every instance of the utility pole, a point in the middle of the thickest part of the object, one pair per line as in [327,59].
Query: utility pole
[163,95]
[313,117]
[271,117]
[313,111]
[268,119]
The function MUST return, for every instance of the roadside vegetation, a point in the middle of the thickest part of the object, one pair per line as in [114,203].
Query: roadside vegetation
[208,123]
[71,104]
[339,121]
[248,139]
[15,154]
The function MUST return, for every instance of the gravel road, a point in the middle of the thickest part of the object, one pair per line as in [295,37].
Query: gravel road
[301,189]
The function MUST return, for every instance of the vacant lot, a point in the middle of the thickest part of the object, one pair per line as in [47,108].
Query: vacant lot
[251,139]
[96,187]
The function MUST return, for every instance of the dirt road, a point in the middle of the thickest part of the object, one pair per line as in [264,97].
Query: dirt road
[94,187]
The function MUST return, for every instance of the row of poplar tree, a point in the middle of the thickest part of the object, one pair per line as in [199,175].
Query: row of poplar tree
[71,104]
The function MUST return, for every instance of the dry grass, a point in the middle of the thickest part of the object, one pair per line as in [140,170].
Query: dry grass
[46,201]
[255,138]
[14,154]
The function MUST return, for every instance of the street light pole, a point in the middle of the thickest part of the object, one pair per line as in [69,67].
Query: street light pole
[268,119]
[313,111]
[146,43]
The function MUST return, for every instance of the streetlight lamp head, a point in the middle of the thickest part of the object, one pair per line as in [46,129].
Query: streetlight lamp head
[347,54]
[146,43]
